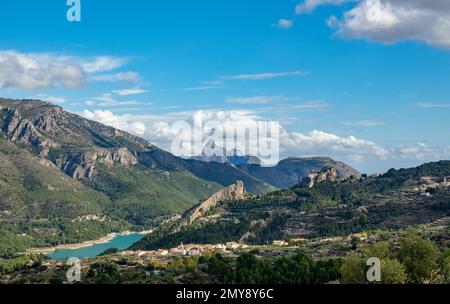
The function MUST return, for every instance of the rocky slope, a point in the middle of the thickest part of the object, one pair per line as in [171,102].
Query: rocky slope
[327,174]
[292,171]
[234,192]
[79,146]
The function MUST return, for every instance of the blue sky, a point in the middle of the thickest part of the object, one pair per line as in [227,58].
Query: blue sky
[372,92]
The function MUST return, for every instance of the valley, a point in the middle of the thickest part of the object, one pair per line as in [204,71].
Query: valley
[66,181]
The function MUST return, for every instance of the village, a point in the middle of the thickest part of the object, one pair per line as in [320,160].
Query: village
[428,184]
[233,249]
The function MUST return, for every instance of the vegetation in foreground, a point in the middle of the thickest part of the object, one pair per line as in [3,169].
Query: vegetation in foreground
[409,259]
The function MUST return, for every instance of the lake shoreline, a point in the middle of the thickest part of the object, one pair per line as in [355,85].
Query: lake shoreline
[103,240]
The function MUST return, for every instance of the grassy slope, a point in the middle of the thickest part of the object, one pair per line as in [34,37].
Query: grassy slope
[38,204]
[35,190]
[140,195]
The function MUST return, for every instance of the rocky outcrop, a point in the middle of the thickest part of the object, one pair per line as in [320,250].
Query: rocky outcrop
[327,174]
[21,130]
[81,165]
[231,193]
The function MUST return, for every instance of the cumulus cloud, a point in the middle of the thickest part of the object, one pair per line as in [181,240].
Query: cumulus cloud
[421,152]
[290,143]
[390,21]
[165,130]
[31,71]
[121,122]
[35,71]
[323,143]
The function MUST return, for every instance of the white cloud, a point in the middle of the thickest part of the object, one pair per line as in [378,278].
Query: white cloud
[421,152]
[348,148]
[266,75]
[291,143]
[51,99]
[106,100]
[311,105]
[36,71]
[255,100]
[114,103]
[390,21]
[103,64]
[328,144]
[126,77]
[31,71]
[310,5]
[365,123]
[207,85]
[285,23]
[128,92]
[201,88]
[121,122]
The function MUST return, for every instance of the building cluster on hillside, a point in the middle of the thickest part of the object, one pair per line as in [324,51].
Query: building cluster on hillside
[427,183]
[188,250]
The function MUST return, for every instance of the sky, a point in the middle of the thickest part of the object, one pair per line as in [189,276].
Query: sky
[362,81]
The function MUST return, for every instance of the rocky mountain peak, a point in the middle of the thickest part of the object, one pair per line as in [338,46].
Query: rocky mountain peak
[231,193]
[327,174]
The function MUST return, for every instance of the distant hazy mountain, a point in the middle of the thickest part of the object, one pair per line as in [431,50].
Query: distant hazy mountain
[214,153]
[286,173]
[291,171]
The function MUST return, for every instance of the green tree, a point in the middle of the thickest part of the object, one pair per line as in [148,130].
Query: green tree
[419,256]
[353,270]
[251,270]
[445,267]
[296,270]
[379,250]
[221,269]
[392,272]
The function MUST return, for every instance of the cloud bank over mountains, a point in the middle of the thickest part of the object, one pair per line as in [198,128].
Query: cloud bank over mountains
[348,148]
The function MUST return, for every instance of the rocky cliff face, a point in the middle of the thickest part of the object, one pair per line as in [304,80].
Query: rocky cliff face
[81,165]
[21,130]
[327,174]
[231,193]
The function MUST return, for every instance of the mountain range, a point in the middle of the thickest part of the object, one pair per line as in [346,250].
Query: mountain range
[330,208]
[58,168]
